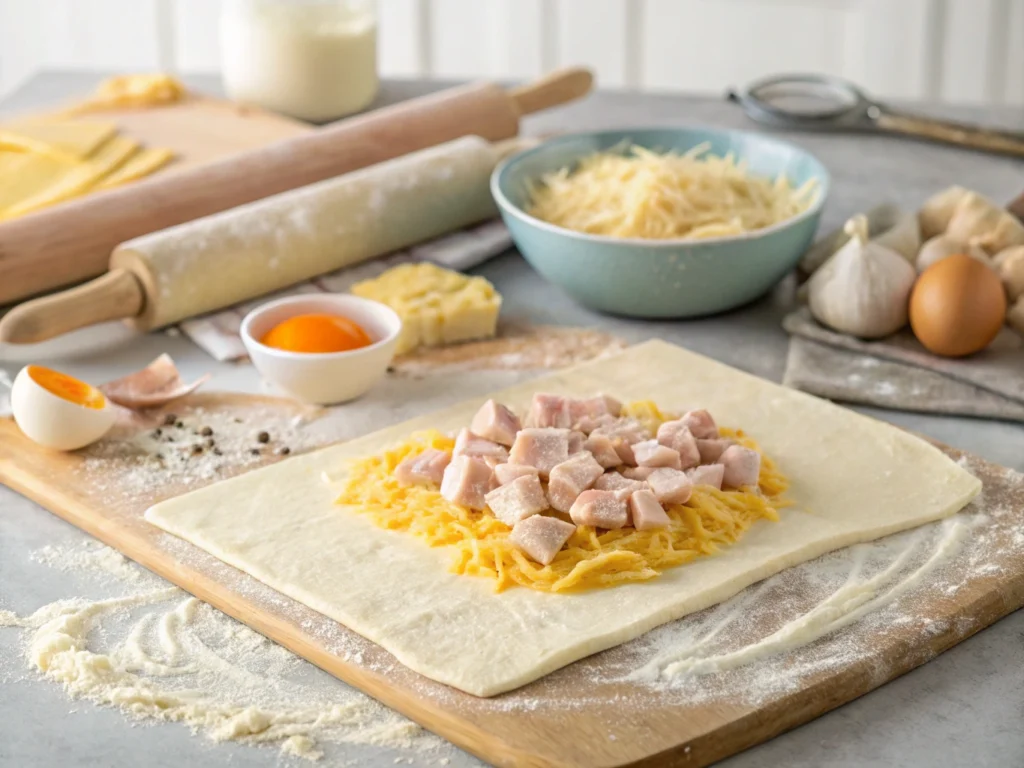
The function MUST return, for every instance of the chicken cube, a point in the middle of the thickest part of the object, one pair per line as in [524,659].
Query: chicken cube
[615,481]
[637,473]
[540,447]
[603,450]
[549,411]
[707,474]
[677,436]
[624,433]
[466,481]
[742,466]
[651,453]
[670,486]
[426,468]
[506,473]
[600,509]
[646,512]
[496,422]
[711,449]
[570,478]
[541,537]
[469,444]
[517,500]
[594,408]
[587,424]
[701,425]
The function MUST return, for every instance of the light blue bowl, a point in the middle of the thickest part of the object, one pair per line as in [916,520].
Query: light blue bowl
[660,278]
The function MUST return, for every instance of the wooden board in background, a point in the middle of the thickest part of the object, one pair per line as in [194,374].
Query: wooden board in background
[198,129]
[578,716]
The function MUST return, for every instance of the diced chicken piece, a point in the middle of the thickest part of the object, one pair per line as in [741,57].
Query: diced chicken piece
[620,485]
[707,474]
[518,500]
[701,424]
[541,537]
[601,509]
[469,444]
[670,486]
[506,473]
[576,441]
[615,481]
[742,466]
[677,436]
[496,422]
[624,433]
[466,481]
[637,473]
[587,424]
[549,411]
[571,478]
[711,450]
[603,450]
[646,512]
[651,453]
[594,408]
[540,447]
[426,468]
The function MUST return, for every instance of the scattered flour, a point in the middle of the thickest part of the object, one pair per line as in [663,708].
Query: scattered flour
[160,655]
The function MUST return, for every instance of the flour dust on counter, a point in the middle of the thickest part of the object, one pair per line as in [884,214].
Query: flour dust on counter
[160,655]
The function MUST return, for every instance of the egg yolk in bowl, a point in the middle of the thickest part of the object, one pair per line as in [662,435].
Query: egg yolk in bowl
[66,387]
[317,334]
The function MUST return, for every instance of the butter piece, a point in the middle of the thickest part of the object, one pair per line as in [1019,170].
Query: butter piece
[437,306]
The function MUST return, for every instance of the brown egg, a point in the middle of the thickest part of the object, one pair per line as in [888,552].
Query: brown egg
[957,306]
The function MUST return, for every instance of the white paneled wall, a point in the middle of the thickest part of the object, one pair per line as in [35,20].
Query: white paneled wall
[968,51]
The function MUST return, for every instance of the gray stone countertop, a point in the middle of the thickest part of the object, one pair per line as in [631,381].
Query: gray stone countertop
[963,708]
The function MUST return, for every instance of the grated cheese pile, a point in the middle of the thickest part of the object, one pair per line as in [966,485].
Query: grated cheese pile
[637,193]
[711,519]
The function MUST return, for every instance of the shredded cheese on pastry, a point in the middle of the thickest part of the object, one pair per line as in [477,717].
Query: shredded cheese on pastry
[710,520]
[638,193]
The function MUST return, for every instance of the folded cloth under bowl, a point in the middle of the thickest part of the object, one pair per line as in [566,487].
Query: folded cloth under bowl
[897,372]
[217,333]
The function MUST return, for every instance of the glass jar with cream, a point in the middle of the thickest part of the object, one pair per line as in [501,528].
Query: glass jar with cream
[312,59]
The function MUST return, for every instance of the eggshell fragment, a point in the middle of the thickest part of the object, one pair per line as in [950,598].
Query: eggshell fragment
[957,306]
[157,384]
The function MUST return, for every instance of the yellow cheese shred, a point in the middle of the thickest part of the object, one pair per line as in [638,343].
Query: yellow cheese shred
[592,558]
[634,192]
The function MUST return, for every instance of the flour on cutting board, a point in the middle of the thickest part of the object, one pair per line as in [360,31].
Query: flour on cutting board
[159,654]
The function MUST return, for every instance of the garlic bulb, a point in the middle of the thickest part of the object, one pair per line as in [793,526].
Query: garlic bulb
[978,220]
[942,246]
[1015,317]
[938,209]
[903,234]
[1009,264]
[888,224]
[863,289]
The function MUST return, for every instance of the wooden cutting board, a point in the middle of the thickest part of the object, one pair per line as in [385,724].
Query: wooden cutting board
[198,129]
[586,714]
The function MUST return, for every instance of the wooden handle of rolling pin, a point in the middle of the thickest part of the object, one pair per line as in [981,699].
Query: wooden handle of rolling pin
[115,296]
[559,87]
[73,241]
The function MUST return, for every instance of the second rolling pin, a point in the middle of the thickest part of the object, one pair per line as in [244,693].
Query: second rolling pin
[221,260]
[73,241]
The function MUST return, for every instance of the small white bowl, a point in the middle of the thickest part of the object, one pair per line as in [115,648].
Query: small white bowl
[330,377]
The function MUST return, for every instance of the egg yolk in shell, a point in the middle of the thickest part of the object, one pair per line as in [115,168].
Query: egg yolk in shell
[66,387]
[317,334]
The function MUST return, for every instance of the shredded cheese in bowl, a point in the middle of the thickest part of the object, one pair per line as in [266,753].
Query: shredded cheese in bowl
[592,557]
[633,192]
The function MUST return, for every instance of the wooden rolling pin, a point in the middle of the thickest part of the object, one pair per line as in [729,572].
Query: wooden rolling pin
[73,242]
[229,257]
